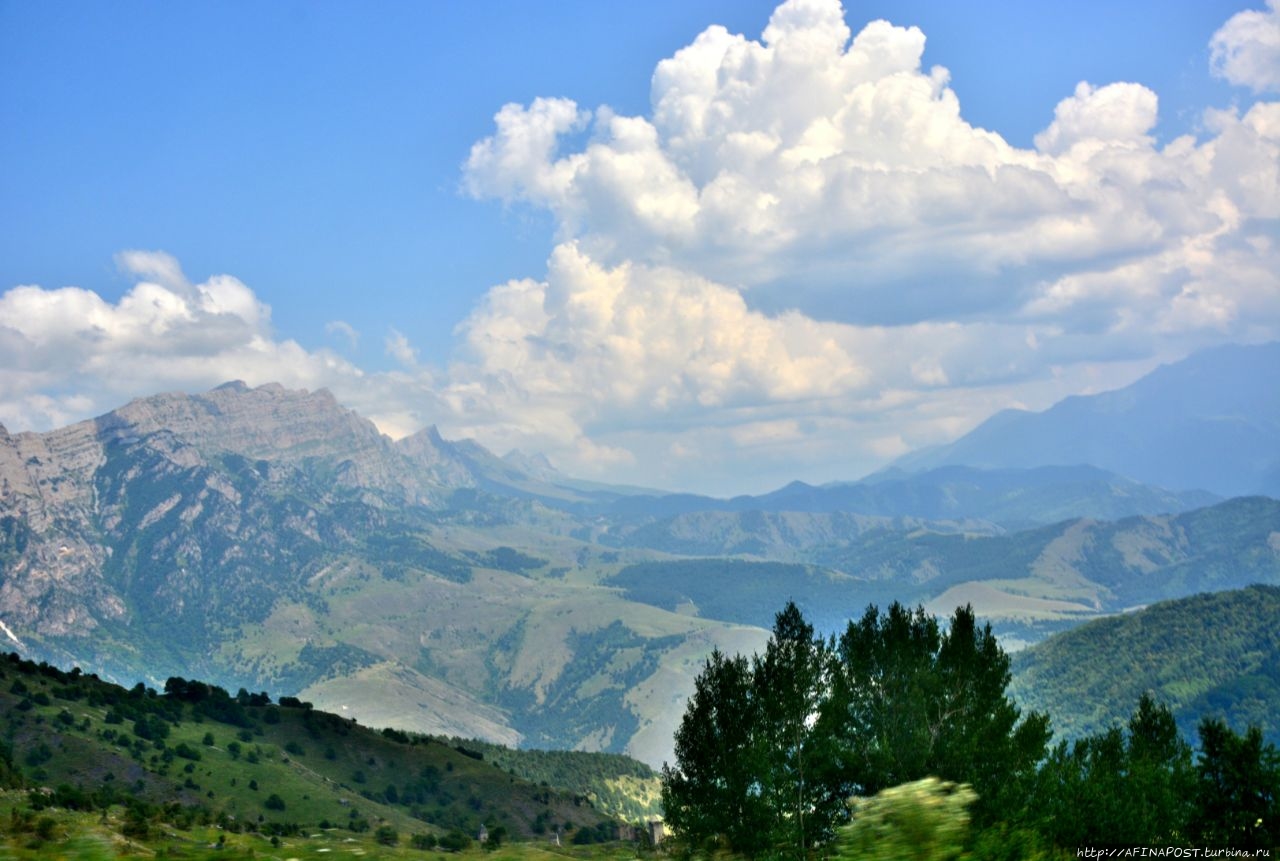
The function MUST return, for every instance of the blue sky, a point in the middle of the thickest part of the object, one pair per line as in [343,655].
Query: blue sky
[303,181]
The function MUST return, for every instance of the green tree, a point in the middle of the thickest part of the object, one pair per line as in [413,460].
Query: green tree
[713,792]
[790,687]
[767,752]
[1116,788]
[1237,789]
[910,700]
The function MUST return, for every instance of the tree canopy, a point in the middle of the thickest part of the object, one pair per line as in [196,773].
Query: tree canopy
[769,750]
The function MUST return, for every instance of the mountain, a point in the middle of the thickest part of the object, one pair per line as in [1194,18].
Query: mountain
[1210,421]
[1209,655]
[1008,498]
[273,540]
[1026,583]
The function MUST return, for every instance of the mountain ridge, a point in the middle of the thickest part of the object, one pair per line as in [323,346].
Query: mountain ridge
[1210,421]
[272,539]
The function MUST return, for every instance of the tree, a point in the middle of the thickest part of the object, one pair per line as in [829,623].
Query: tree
[713,792]
[1116,788]
[767,752]
[911,701]
[791,684]
[1237,788]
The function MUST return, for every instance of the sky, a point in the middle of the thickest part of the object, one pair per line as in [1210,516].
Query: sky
[708,245]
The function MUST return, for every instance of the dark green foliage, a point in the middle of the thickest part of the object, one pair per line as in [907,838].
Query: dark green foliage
[911,701]
[1117,788]
[1237,789]
[386,836]
[455,841]
[709,794]
[510,559]
[768,752]
[1216,654]
[792,688]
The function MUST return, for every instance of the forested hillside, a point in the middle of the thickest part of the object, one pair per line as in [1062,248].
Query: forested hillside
[194,756]
[1211,655]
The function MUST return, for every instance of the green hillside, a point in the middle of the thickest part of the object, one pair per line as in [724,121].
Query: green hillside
[195,757]
[1211,655]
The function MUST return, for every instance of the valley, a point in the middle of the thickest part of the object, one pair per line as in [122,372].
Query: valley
[273,540]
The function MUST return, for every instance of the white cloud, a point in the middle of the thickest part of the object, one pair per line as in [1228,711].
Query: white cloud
[802,261]
[399,348]
[1246,50]
[932,270]
[1106,116]
[641,339]
[839,177]
[68,353]
[343,330]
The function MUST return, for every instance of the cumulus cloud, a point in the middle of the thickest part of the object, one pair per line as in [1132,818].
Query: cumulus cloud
[802,261]
[837,176]
[69,353]
[806,225]
[1246,50]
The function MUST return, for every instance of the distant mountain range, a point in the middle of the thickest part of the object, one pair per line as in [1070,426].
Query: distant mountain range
[1210,422]
[274,540]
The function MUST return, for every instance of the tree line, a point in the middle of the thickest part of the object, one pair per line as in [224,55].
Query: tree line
[772,749]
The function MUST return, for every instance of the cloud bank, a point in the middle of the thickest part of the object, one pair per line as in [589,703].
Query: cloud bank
[803,261]
[851,244]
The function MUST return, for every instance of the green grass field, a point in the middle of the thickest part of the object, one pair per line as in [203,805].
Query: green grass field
[61,835]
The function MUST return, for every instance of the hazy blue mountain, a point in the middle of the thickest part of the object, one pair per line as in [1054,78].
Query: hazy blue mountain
[742,566]
[1210,421]
[1010,498]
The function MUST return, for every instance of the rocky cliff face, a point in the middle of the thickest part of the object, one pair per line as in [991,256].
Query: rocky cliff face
[272,539]
[178,503]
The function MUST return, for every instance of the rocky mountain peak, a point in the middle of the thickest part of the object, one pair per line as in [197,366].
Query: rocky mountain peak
[269,422]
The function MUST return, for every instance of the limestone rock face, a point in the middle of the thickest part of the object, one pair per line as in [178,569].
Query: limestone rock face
[179,502]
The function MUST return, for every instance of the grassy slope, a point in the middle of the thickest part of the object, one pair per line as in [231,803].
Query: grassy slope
[79,836]
[327,771]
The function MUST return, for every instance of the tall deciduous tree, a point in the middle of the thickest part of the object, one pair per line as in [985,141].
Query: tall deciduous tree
[791,689]
[767,753]
[911,700]
[713,792]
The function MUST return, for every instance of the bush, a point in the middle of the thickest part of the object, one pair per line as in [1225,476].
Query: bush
[274,802]
[386,836]
[927,820]
[455,841]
